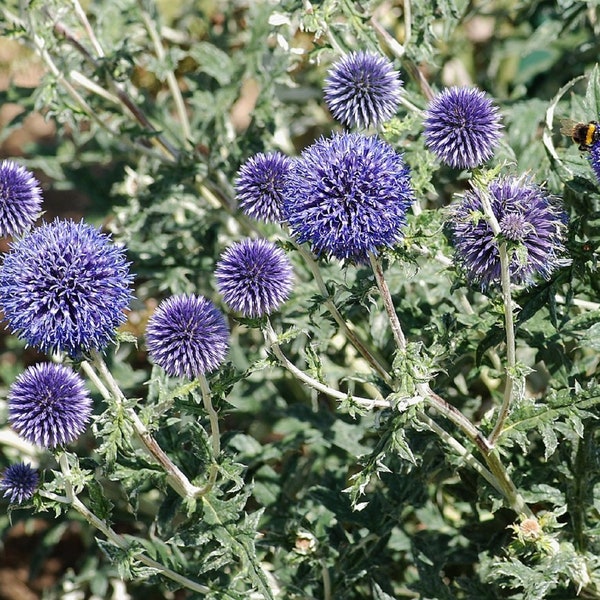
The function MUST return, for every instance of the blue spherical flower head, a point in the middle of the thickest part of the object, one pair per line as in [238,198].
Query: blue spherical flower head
[65,287]
[20,198]
[260,186]
[462,127]
[19,483]
[187,336]
[254,277]
[49,405]
[348,196]
[532,224]
[594,159]
[362,90]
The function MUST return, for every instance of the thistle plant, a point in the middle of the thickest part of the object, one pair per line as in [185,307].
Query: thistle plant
[462,127]
[20,198]
[348,196]
[291,354]
[19,483]
[65,287]
[362,90]
[260,185]
[531,223]
[254,277]
[49,405]
[187,336]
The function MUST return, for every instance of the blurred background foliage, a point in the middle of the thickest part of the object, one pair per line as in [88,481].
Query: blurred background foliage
[250,74]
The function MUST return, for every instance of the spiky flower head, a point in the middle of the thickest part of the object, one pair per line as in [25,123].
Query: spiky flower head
[362,90]
[20,198]
[19,483]
[49,405]
[594,159]
[462,127]
[187,336]
[254,277]
[348,196]
[532,224]
[65,287]
[260,185]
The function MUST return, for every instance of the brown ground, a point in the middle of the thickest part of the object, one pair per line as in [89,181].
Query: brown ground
[16,555]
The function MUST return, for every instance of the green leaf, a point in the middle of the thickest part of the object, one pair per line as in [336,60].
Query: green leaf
[213,61]
[592,93]
[550,439]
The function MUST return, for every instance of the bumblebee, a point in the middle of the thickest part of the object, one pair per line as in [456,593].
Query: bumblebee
[584,134]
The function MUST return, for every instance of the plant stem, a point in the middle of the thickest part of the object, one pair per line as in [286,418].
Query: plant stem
[509,326]
[88,28]
[461,451]
[455,416]
[215,434]
[585,304]
[171,79]
[495,466]
[407,22]
[124,99]
[400,51]
[177,480]
[388,303]
[511,356]
[335,313]
[25,449]
[510,491]
[271,339]
[326,581]
[115,538]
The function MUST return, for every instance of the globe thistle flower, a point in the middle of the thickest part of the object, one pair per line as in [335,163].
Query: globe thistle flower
[532,225]
[64,287]
[187,336]
[462,127]
[362,90]
[49,405]
[348,196]
[594,159]
[259,186]
[20,198]
[19,483]
[254,277]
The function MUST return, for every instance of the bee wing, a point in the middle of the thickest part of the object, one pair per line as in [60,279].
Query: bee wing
[567,126]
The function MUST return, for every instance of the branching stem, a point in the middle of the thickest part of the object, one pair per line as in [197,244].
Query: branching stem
[171,79]
[502,481]
[271,339]
[509,326]
[115,538]
[109,388]
[388,303]
[215,434]
[335,313]
[461,451]
[124,99]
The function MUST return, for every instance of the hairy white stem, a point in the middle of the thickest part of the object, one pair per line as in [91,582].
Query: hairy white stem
[271,339]
[335,313]
[111,535]
[509,326]
[109,388]
[215,434]
[171,79]
[388,303]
